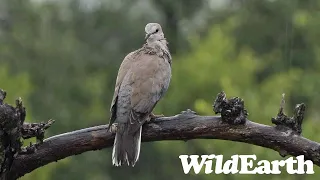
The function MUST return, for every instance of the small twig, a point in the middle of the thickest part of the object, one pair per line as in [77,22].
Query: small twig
[37,130]
[283,122]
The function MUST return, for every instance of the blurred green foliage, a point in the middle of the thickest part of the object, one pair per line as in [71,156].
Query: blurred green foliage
[62,58]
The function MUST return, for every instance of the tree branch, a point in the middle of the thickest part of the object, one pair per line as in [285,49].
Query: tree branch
[12,129]
[232,125]
[185,126]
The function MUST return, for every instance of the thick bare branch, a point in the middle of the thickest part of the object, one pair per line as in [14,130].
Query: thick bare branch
[233,125]
[185,126]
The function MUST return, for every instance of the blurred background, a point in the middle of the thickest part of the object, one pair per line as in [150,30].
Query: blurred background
[62,58]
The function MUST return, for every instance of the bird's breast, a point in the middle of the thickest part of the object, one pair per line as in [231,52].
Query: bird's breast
[164,76]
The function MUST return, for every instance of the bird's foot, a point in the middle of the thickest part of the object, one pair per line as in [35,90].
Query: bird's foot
[153,117]
[114,127]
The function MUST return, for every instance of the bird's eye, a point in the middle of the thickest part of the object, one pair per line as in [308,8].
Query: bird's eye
[157,30]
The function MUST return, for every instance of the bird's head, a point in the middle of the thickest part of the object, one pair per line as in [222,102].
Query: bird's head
[153,32]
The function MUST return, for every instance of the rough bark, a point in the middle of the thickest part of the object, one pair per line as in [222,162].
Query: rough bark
[12,129]
[232,125]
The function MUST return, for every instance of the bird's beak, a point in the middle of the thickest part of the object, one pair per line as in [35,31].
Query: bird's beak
[147,36]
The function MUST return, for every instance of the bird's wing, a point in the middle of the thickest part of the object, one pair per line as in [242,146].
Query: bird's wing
[123,70]
[150,79]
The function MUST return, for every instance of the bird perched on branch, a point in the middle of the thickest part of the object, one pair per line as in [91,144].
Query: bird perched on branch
[143,78]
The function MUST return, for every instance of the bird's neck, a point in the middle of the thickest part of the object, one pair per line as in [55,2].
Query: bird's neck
[158,45]
[160,48]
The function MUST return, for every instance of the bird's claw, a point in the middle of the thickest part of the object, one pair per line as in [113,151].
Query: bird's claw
[114,127]
[153,117]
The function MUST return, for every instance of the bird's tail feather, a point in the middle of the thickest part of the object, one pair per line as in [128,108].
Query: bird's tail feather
[126,148]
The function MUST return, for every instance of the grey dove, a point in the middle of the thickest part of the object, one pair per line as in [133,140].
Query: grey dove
[143,79]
